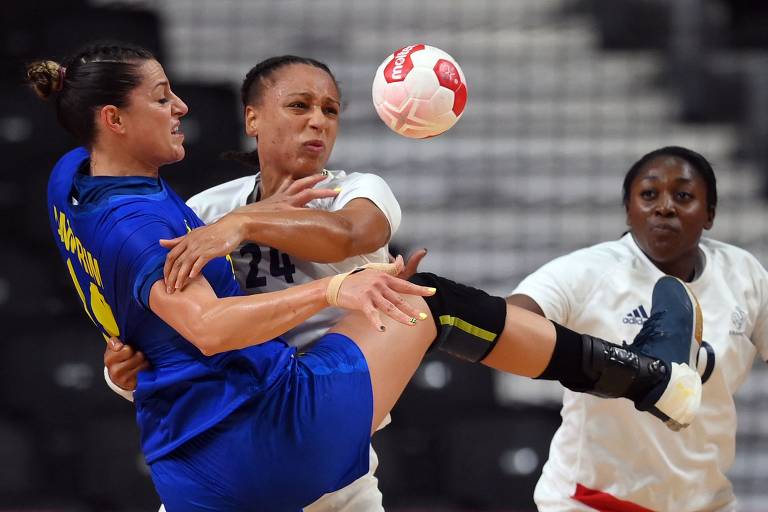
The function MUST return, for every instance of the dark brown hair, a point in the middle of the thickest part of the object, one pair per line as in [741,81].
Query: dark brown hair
[100,74]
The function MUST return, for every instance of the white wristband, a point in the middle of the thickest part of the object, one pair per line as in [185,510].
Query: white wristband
[128,395]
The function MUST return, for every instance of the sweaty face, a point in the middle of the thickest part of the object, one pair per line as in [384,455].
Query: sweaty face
[667,212]
[152,118]
[295,120]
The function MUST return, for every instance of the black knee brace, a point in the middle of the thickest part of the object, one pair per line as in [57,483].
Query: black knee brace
[468,320]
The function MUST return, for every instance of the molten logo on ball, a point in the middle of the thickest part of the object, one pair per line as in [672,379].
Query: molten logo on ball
[401,65]
[419,91]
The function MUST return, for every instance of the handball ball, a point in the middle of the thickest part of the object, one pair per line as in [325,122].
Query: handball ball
[419,91]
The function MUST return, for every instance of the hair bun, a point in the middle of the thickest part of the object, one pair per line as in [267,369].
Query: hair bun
[46,77]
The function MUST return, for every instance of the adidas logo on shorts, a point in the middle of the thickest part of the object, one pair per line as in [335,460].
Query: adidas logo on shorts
[637,316]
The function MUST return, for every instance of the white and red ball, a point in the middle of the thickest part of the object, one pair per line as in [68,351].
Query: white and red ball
[419,91]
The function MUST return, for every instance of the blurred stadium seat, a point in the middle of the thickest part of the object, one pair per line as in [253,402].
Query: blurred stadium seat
[31,142]
[114,474]
[20,470]
[52,372]
[26,282]
[35,29]
[66,32]
[443,391]
[494,462]
[444,388]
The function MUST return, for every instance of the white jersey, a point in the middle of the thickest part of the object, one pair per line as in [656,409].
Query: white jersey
[607,445]
[264,269]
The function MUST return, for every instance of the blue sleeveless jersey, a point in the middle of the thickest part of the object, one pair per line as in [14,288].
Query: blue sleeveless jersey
[111,251]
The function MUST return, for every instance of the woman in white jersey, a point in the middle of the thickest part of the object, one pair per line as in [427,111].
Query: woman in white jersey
[604,456]
[335,221]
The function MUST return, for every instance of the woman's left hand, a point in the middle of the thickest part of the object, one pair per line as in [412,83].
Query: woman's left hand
[190,253]
[374,292]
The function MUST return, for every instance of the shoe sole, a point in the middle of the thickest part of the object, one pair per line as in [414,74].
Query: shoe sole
[680,402]
[698,325]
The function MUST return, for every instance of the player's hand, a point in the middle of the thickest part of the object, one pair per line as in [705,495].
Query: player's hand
[293,194]
[123,364]
[190,253]
[412,264]
[373,292]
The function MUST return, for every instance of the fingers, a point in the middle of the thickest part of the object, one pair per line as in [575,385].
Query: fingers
[389,309]
[126,374]
[302,198]
[170,269]
[392,304]
[197,267]
[373,316]
[284,185]
[304,183]
[118,352]
[137,363]
[374,292]
[173,242]
[124,364]
[371,295]
[172,275]
[401,286]
[188,271]
[302,190]
[403,305]
[114,344]
[182,275]
[412,265]
[181,266]
[399,264]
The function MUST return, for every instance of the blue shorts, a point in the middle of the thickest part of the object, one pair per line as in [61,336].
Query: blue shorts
[307,435]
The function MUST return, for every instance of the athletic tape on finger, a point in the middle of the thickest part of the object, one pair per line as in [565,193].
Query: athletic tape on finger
[334,286]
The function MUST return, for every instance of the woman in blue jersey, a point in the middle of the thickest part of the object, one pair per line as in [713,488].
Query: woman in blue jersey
[285,232]
[231,418]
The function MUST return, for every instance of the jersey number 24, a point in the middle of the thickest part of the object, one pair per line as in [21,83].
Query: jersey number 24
[279,265]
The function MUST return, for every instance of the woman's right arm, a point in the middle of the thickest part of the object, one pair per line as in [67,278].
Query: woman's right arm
[217,325]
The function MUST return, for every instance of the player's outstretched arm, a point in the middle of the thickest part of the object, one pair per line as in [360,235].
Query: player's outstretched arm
[216,325]
[122,364]
[282,222]
[360,227]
